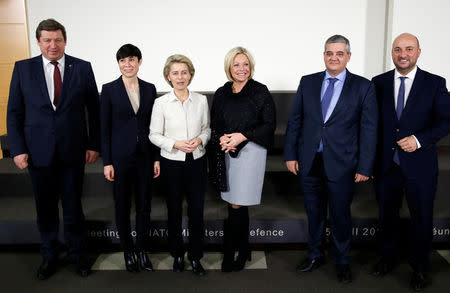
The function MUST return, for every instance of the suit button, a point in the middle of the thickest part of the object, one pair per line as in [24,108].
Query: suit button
[397,130]
[393,149]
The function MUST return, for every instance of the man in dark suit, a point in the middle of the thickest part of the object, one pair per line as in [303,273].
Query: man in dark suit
[331,140]
[47,133]
[414,114]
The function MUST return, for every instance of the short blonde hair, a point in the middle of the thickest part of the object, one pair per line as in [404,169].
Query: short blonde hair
[229,58]
[178,58]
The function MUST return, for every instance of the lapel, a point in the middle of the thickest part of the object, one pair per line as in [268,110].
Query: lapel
[123,95]
[389,93]
[68,72]
[413,93]
[317,87]
[340,105]
[38,69]
[142,94]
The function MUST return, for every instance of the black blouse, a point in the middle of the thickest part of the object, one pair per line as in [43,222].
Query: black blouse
[250,112]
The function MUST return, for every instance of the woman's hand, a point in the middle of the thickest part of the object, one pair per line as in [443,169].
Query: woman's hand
[108,171]
[229,142]
[195,143]
[156,169]
[185,146]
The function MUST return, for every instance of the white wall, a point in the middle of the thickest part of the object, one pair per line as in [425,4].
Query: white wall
[430,22]
[285,36]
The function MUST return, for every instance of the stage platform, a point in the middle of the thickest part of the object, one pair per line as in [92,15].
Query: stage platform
[280,218]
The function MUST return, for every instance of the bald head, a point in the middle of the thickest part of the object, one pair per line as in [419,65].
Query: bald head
[405,52]
[406,36]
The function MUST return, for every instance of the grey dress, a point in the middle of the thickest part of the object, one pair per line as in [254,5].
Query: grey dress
[245,174]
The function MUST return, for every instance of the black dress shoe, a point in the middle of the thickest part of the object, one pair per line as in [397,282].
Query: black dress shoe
[144,261]
[382,267]
[309,265]
[82,266]
[131,263]
[46,269]
[178,264]
[197,268]
[419,281]
[227,262]
[344,274]
[239,263]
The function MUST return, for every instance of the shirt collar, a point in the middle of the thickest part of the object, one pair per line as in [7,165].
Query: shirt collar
[61,61]
[410,75]
[173,97]
[341,76]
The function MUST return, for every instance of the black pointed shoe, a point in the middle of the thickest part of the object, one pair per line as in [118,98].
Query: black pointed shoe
[242,258]
[344,274]
[131,263]
[197,268]
[382,267]
[144,261]
[178,264]
[419,281]
[309,265]
[82,266]
[46,269]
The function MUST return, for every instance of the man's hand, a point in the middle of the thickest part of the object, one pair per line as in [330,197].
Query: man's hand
[108,171]
[360,178]
[156,169]
[292,166]
[21,161]
[91,156]
[408,144]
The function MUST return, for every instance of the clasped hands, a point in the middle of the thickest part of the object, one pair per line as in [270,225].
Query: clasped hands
[229,142]
[188,146]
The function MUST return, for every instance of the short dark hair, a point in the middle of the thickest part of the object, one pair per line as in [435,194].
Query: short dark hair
[50,25]
[128,50]
[338,39]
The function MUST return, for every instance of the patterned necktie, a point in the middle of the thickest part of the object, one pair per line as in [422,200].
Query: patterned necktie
[401,97]
[57,82]
[326,99]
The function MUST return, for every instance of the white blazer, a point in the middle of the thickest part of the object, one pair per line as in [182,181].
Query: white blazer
[172,120]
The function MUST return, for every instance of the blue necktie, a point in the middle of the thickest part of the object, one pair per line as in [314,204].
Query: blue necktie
[399,110]
[326,100]
[401,97]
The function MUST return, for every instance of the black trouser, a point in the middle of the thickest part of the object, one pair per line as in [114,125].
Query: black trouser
[185,177]
[133,175]
[319,194]
[419,194]
[49,184]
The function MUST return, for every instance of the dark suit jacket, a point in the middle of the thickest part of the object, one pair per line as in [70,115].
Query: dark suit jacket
[35,128]
[349,135]
[426,115]
[122,130]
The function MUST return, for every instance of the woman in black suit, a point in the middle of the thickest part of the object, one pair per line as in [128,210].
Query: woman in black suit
[128,156]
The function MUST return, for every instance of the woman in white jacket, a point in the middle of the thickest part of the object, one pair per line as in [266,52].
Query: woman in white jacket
[180,127]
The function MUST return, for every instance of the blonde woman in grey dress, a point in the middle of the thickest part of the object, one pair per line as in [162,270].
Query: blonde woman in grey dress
[242,125]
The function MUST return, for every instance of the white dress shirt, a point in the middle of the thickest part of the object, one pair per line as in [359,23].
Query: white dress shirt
[408,84]
[172,120]
[48,72]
